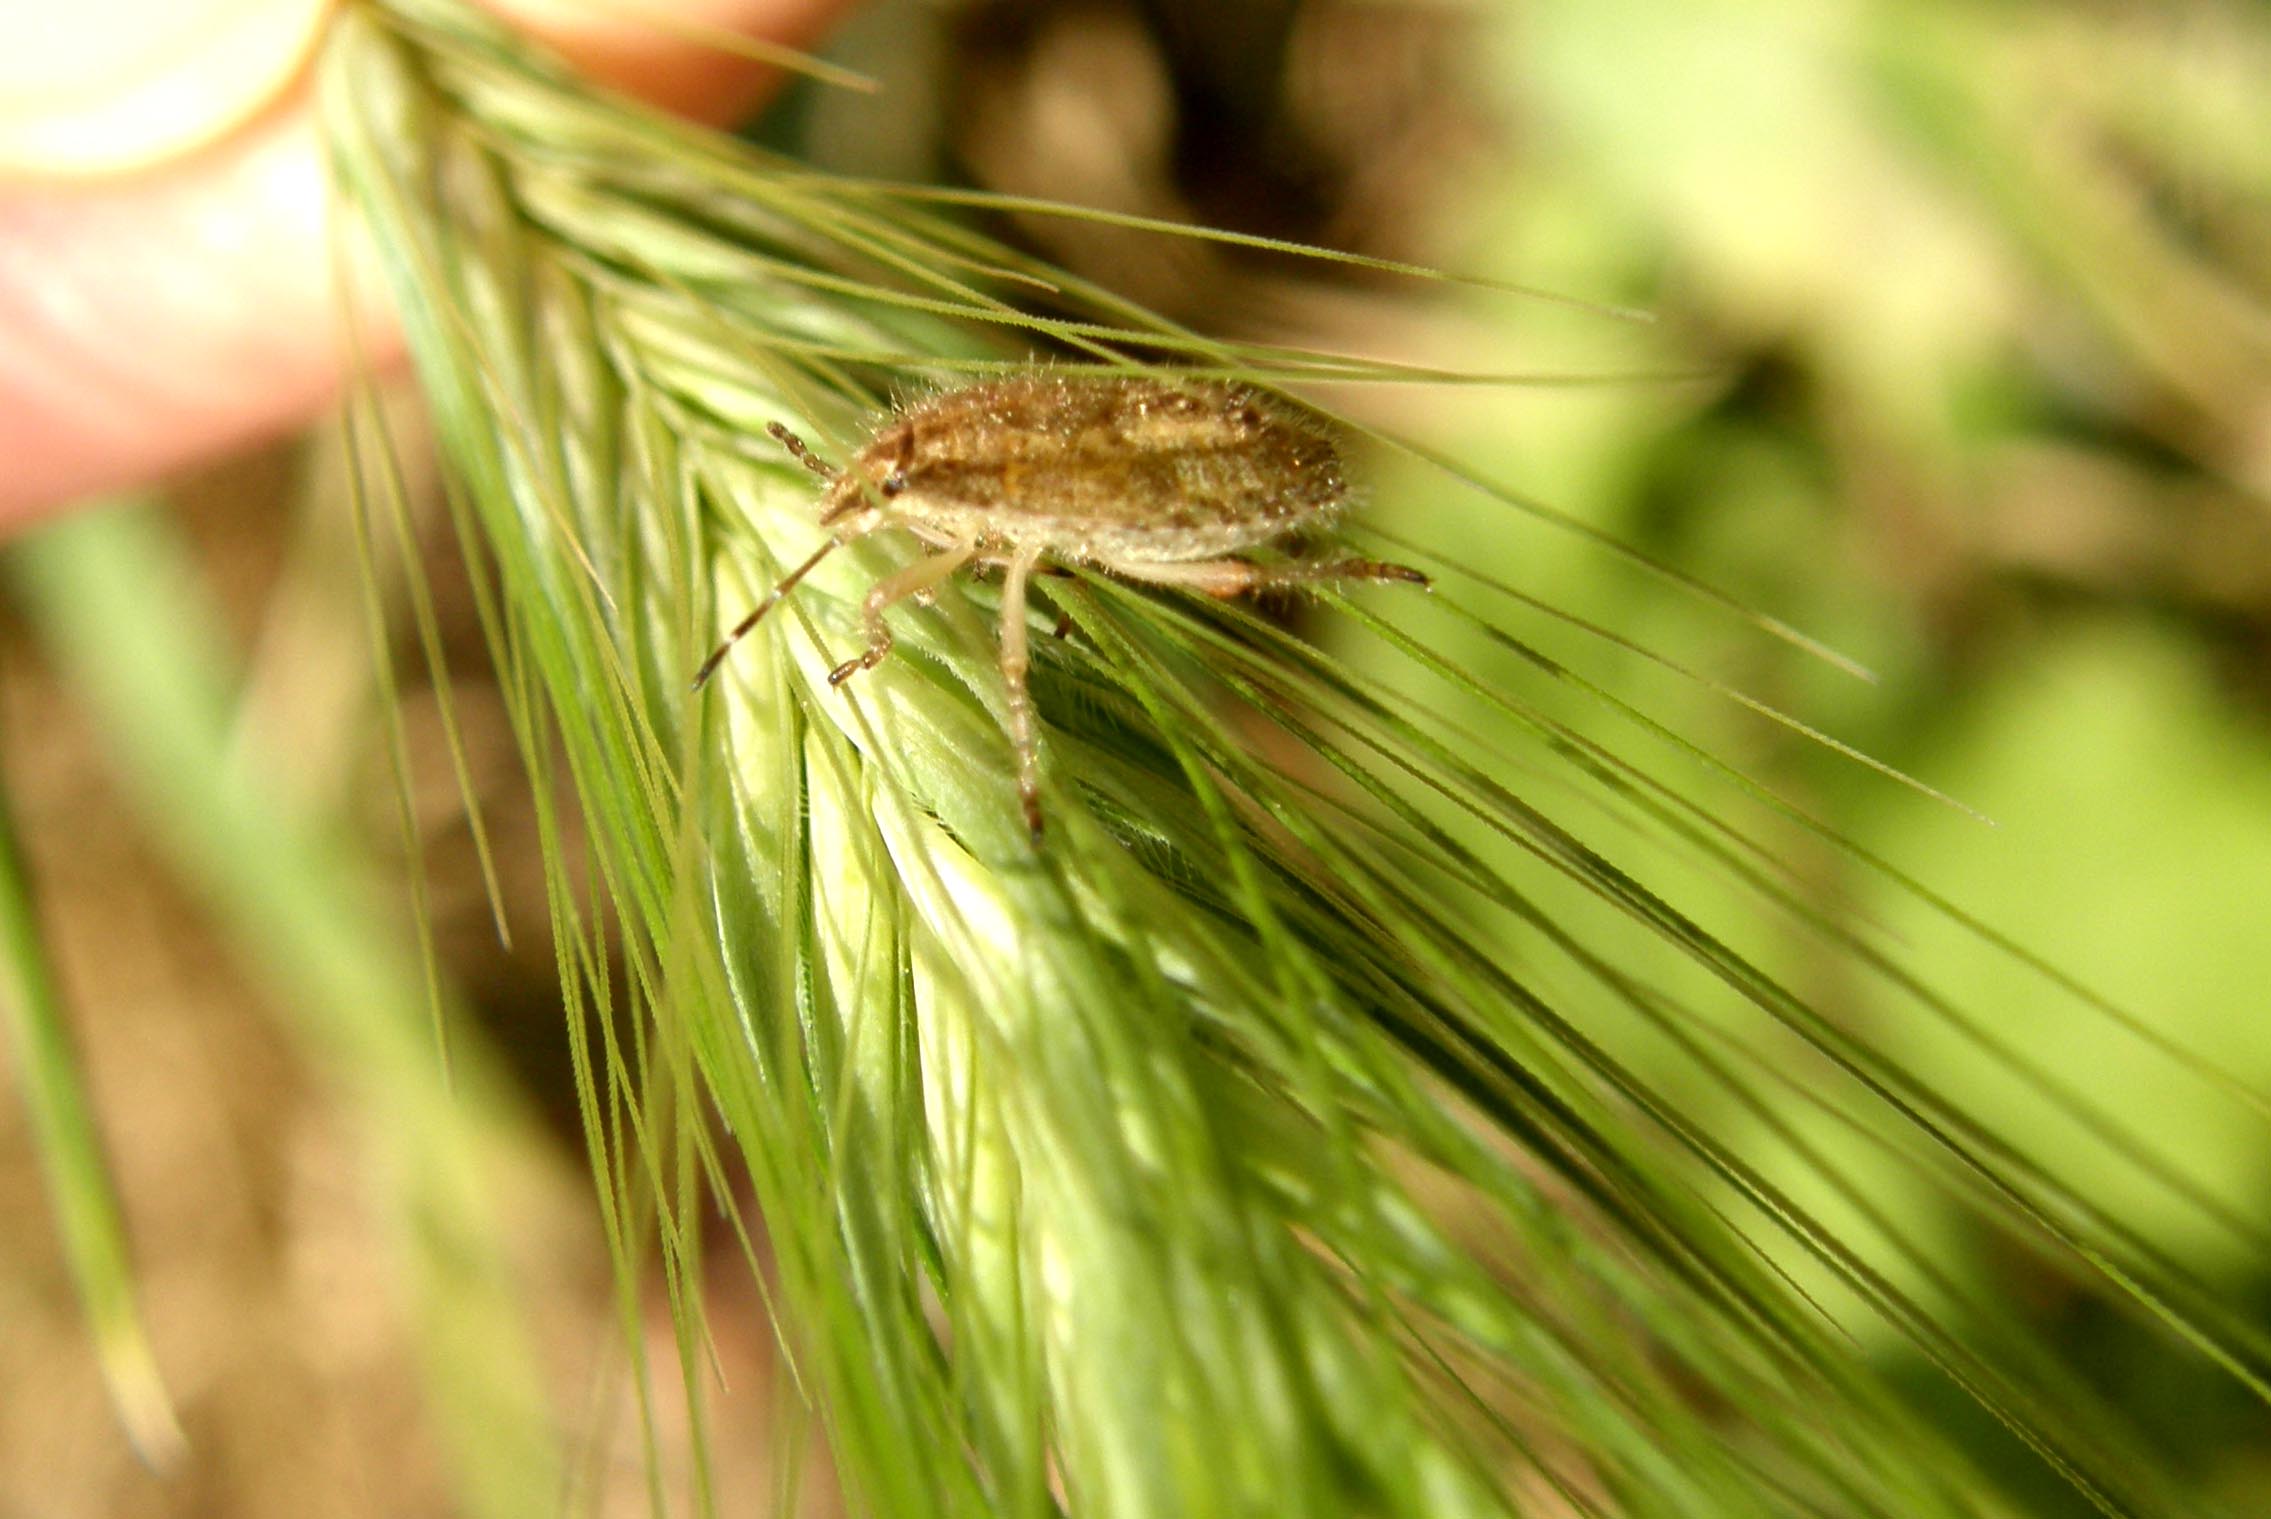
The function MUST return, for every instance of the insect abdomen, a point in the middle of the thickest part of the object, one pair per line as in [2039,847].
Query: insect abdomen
[1113,466]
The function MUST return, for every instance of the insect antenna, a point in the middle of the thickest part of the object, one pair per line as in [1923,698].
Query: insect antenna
[772,599]
[803,454]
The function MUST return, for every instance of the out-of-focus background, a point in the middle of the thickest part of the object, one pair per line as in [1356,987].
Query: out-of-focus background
[1960,360]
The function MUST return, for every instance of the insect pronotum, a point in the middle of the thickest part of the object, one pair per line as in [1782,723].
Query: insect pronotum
[1153,479]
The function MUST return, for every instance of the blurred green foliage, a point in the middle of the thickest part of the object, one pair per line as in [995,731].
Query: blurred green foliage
[1981,293]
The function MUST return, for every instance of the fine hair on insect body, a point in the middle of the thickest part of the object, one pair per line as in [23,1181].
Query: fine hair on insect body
[1150,478]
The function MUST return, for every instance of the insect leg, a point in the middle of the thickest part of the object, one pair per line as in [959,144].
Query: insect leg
[914,580]
[1016,658]
[1267,576]
[1236,577]
[1065,622]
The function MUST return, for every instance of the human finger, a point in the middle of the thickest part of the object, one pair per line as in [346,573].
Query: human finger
[184,304]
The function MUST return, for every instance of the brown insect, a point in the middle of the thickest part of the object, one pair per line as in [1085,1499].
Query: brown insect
[1156,480]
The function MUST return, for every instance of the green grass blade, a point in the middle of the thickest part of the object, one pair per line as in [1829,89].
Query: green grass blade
[78,1181]
[112,597]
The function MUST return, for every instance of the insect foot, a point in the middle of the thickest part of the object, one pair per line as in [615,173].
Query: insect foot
[852,667]
[1146,477]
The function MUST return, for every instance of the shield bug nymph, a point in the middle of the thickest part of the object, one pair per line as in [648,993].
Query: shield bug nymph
[1153,479]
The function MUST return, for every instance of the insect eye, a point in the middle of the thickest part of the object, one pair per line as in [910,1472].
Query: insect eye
[893,483]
